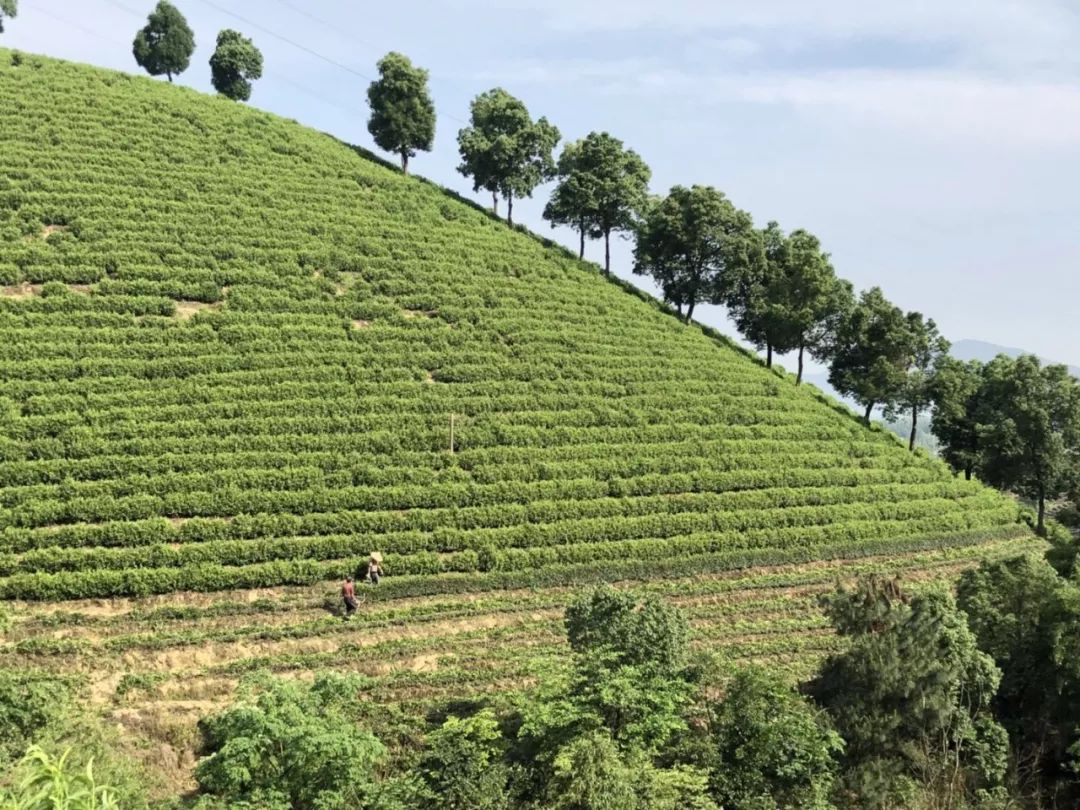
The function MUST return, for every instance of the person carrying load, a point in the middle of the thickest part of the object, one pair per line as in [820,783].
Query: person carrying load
[374,569]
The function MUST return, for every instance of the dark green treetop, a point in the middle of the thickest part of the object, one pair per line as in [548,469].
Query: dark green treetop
[694,244]
[571,201]
[1029,429]
[791,302]
[402,112]
[954,394]
[165,44]
[771,749]
[504,151]
[871,352]
[603,189]
[462,765]
[236,63]
[928,351]
[1027,617]
[910,697]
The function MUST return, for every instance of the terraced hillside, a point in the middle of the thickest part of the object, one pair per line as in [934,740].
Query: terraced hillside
[230,352]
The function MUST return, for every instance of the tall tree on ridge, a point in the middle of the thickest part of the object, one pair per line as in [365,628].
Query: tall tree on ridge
[693,243]
[504,151]
[236,63]
[871,352]
[572,200]
[606,189]
[753,294]
[928,350]
[165,44]
[1029,430]
[402,112]
[954,394]
[792,302]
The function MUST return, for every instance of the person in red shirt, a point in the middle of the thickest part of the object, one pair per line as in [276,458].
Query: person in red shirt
[348,593]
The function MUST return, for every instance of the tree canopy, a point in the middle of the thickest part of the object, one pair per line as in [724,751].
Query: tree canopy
[954,390]
[1029,429]
[570,201]
[760,716]
[911,697]
[504,151]
[603,189]
[1028,618]
[871,352]
[792,301]
[928,350]
[694,243]
[402,113]
[287,744]
[165,44]
[236,63]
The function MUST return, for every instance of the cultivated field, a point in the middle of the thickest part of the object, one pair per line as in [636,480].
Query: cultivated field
[231,349]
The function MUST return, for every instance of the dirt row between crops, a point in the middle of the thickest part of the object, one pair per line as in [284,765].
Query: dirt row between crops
[316,595]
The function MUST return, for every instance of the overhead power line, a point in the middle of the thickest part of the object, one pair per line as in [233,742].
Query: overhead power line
[311,51]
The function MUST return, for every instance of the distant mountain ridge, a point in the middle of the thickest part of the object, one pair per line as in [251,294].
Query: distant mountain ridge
[982,351]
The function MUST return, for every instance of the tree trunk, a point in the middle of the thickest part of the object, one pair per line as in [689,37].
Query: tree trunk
[495,203]
[690,309]
[404,162]
[510,210]
[914,424]
[581,242]
[607,252]
[678,308]
[169,74]
[768,355]
[967,473]
[1040,528]
[798,378]
[869,410]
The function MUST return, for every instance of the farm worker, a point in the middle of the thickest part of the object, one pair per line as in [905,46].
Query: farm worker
[348,593]
[374,571]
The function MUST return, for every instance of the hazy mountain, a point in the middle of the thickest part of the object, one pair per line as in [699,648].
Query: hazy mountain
[982,351]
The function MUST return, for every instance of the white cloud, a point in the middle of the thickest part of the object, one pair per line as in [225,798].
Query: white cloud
[961,105]
[1029,33]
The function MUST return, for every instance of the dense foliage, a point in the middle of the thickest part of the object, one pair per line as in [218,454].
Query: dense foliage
[695,243]
[165,44]
[234,65]
[504,151]
[602,190]
[288,745]
[402,112]
[1013,422]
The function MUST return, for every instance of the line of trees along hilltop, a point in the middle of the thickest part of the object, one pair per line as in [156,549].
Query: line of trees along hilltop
[1012,423]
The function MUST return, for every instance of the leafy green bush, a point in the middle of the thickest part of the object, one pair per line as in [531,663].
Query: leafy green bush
[290,745]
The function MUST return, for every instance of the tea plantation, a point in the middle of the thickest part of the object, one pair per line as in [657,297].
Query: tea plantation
[230,352]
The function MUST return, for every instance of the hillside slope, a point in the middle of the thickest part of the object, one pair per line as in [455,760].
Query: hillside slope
[230,351]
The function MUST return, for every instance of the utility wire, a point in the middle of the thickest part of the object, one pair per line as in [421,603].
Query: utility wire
[277,77]
[77,26]
[306,49]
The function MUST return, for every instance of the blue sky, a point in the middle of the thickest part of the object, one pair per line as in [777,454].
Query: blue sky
[933,146]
